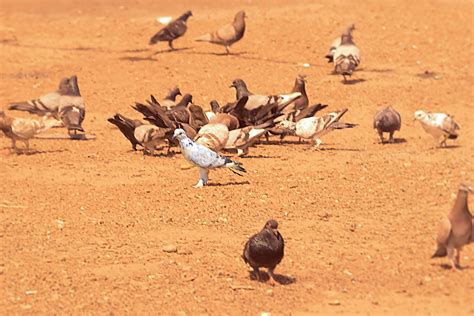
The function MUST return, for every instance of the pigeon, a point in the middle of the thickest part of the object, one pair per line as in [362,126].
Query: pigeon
[197,117]
[457,229]
[315,127]
[336,43]
[387,120]
[170,100]
[347,55]
[265,249]
[228,34]
[20,129]
[127,127]
[241,139]
[149,136]
[172,31]
[213,136]
[204,158]
[439,125]
[65,104]
[256,101]
[227,119]
[180,112]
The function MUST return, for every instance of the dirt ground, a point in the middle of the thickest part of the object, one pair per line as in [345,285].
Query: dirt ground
[84,223]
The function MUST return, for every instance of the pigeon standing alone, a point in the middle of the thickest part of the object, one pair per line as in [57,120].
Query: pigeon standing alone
[347,55]
[439,125]
[265,249]
[387,120]
[65,104]
[204,158]
[172,31]
[457,229]
[227,34]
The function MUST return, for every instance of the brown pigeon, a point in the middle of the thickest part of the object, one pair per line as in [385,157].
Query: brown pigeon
[456,230]
[265,249]
[387,120]
[227,34]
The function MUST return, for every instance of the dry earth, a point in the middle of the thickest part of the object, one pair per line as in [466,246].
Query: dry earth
[83,224]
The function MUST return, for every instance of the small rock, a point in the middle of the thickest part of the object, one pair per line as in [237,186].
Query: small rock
[269,292]
[170,248]
[334,303]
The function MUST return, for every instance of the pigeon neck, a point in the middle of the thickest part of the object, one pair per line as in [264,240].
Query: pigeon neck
[346,39]
[242,91]
[299,87]
[460,206]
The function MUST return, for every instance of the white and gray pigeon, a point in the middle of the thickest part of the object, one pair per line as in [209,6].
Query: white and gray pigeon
[456,229]
[65,104]
[347,55]
[204,158]
[439,125]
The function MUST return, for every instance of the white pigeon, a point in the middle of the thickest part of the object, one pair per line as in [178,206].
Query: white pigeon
[347,55]
[204,158]
[439,125]
[315,127]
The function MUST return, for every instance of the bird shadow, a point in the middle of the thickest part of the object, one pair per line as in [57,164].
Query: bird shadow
[284,142]
[242,55]
[449,147]
[353,81]
[335,149]
[233,183]
[150,57]
[383,70]
[395,141]
[78,48]
[446,266]
[260,156]
[279,278]
[31,152]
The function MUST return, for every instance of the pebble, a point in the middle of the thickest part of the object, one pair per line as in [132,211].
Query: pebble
[334,303]
[170,248]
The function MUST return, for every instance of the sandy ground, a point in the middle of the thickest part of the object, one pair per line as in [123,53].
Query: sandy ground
[83,224]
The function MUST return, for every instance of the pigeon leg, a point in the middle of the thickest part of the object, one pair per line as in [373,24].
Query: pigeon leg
[344,76]
[271,280]
[451,258]
[170,44]
[318,142]
[203,177]
[257,274]
[381,136]
[227,50]
[27,145]
[457,259]
[391,139]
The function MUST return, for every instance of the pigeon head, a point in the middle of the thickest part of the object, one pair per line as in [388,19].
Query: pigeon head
[69,86]
[420,115]
[240,16]
[466,187]
[287,125]
[185,16]
[179,134]
[240,88]
[215,106]
[238,83]
[187,98]
[346,37]
[273,226]
[173,93]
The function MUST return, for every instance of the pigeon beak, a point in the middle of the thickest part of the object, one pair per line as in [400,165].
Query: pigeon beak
[232,86]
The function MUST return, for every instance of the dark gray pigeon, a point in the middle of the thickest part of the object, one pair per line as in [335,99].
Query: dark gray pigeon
[265,249]
[172,31]
[456,229]
[65,104]
[127,127]
[387,120]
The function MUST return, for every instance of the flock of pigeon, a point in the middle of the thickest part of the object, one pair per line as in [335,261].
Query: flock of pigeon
[204,136]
